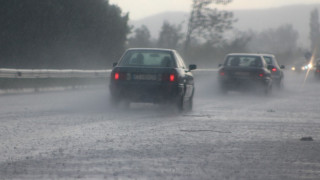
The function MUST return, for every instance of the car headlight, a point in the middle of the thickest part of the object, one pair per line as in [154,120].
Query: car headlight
[293,68]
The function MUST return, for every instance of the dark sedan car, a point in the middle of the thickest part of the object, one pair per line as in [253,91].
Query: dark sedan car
[245,72]
[152,76]
[276,70]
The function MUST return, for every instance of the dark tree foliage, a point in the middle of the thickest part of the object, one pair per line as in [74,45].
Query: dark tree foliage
[141,38]
[239,43]
[207,23]
[170,35]
[61,33]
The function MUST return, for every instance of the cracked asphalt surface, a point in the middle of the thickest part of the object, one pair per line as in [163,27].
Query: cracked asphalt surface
[77,134]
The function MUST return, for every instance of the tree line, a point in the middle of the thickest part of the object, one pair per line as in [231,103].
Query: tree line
[61,33]
[91,34]
[207,39]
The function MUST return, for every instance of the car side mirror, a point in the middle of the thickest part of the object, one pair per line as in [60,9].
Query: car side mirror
[282,67]
[270,66]
[114,64]
[192,67]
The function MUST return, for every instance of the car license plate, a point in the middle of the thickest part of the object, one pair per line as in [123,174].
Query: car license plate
[146,77]
[242,73]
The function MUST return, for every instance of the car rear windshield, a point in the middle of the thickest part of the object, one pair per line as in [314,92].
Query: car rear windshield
[244,61]
[148,59]
[268,59]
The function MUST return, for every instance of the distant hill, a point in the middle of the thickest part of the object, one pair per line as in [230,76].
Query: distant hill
[256,20]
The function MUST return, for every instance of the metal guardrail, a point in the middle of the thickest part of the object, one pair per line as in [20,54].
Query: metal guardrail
[48,78]
[50,73]
[66,73]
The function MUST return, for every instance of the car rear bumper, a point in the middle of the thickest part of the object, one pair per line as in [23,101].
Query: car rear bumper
[154,92]
[234,84]
[276,76]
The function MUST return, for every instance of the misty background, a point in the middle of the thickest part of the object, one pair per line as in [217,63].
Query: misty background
[82,34]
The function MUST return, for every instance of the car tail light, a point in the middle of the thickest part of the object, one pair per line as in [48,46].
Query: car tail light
[169,77]
[318,70]
[172,78]
[116,76]
[119,76]
[261,74]
[274,69]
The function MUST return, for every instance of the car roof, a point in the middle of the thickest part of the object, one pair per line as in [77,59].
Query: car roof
[272,55]
[244,54]
[151,49]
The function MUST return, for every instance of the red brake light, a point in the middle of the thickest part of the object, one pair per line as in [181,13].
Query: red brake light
[274,69]
[116,76]
[119,76]
[172,77]
[169,77]
[261,75]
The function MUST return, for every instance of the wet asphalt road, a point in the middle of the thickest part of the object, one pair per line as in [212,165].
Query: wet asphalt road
[77,134]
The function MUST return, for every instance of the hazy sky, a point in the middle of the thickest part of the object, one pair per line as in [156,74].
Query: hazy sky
[142,8]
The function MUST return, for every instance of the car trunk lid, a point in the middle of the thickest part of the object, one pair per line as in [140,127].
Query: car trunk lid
[144,74]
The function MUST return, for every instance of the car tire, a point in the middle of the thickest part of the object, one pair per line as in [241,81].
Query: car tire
[190,103]
[180,104]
